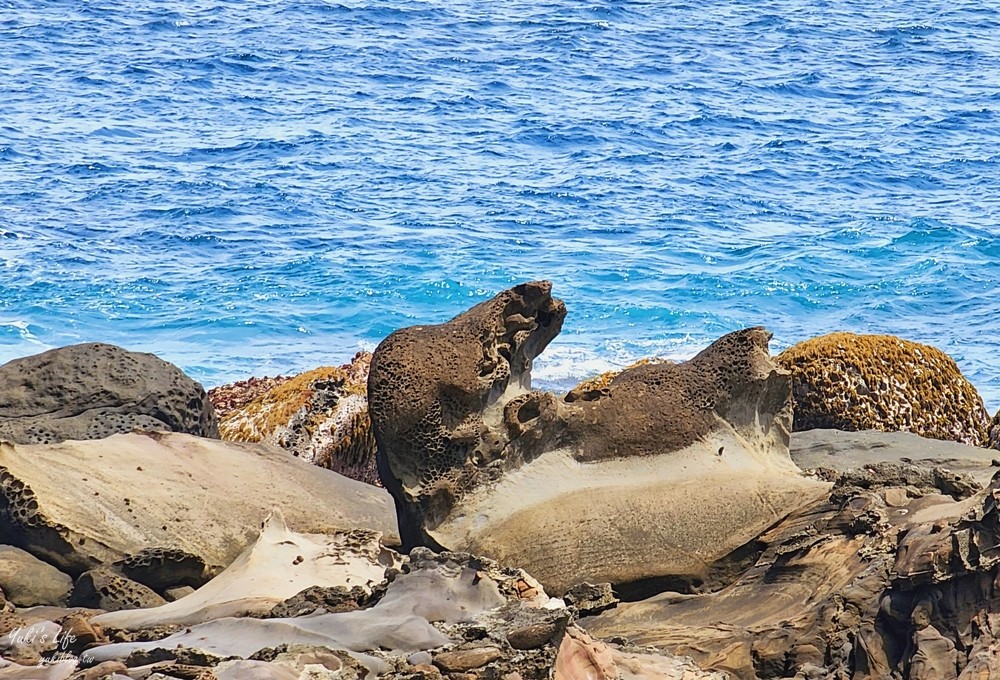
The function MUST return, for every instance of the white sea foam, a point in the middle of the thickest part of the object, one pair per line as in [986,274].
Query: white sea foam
[561,367]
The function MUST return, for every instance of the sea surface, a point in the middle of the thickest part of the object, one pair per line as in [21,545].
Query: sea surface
[250,188]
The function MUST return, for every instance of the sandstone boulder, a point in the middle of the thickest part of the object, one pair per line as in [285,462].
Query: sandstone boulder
[845,381]
[93,390]
[320,416]
[661,474]
[79,505]
[26,581]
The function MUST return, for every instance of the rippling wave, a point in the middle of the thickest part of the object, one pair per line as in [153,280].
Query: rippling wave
[249,188]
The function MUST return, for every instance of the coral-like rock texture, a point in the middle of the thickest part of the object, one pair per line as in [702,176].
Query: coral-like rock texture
[662,473]
[94,390]
[320,416]
[236,395]
[880,382]
[993,436]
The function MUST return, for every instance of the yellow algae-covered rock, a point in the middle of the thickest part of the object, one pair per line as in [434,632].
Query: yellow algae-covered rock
[236,395]
[852,382]
[320,416]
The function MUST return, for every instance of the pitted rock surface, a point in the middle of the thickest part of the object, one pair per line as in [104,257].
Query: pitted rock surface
[104,589]
[165,568]
[993,436]
[320,416]
[593,388]
[662,407]
[94,390]
[576,489]
[429,387]
[853,382]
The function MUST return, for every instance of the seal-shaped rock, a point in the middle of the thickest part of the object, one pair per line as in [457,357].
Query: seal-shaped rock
[92,391]
[661,473]
[854,382]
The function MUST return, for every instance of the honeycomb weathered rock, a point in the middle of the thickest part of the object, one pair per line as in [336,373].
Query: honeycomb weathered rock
[103,589]
[660,473]
[94,390]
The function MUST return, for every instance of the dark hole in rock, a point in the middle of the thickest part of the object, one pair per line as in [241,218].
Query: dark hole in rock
[528,412]
[719,575]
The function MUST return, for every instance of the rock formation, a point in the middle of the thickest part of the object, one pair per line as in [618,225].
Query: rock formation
[880,382]
[235,396]
[320,416]
[80,505]
[279,564]
[592,388]
[103,588]
[882,579]
[581,657]
[26,581]
[91,391]
[433,593]
[993,435]
[662,474]
[438,616]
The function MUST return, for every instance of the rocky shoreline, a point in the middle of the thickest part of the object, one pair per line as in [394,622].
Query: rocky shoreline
[423,512]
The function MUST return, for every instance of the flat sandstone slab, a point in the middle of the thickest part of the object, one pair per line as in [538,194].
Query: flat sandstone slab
[80,503]
[841,451]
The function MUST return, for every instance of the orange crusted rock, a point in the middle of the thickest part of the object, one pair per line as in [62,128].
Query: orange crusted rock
[235,396]
[853,382]
[320,415]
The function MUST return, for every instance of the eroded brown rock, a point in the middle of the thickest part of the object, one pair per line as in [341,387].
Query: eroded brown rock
[662,473]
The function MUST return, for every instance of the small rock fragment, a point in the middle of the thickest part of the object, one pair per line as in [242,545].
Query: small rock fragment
[459,661]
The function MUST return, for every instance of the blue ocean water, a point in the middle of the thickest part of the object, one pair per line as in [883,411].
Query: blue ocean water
[262,187]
